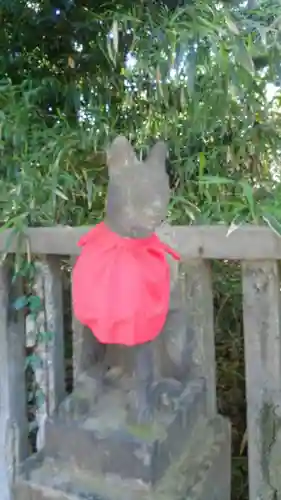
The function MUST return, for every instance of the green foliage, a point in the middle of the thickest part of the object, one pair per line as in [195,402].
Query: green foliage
[195,73]
[32,302]
[32,306]
[230,366]
[199,80]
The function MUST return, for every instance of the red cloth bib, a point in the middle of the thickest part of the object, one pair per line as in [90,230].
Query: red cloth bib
[121,286]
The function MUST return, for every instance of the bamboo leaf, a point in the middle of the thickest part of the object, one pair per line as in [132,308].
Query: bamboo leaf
[244,58]
[273,223]
[231,25]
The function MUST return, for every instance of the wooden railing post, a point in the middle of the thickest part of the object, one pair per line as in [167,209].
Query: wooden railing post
[262,331]
[51,374]
[13,418]
[199,303]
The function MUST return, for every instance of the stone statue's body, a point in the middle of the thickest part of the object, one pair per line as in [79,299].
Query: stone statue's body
[137,204]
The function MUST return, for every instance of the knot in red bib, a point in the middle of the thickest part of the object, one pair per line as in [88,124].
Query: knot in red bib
[121,286]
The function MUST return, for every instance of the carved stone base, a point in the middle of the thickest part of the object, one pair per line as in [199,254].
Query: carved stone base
[97,434]
[202,472]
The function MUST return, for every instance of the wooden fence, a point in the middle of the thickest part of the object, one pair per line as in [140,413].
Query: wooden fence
[259,251]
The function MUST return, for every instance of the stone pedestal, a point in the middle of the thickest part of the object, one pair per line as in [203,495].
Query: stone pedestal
[202,472]
[94,452]
[97,435]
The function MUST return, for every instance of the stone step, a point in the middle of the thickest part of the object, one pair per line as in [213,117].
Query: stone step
[201,473]
[101,439]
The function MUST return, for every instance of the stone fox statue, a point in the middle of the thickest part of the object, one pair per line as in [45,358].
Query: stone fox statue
[121,280]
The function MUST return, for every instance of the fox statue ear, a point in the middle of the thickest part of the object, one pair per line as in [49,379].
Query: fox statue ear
[120,154]
[158,155]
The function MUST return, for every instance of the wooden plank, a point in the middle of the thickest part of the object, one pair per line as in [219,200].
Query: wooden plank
[200,315]
[13,420]
[209,242]
[261,304]
[50,375]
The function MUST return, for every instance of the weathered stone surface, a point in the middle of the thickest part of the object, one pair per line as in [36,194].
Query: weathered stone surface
[98,436]
[13,420]
[199,310]
[50,375]
[262,324]
[174,347]
[202,472]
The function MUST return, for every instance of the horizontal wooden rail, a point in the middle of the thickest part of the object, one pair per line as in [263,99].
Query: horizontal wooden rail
[208,242]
